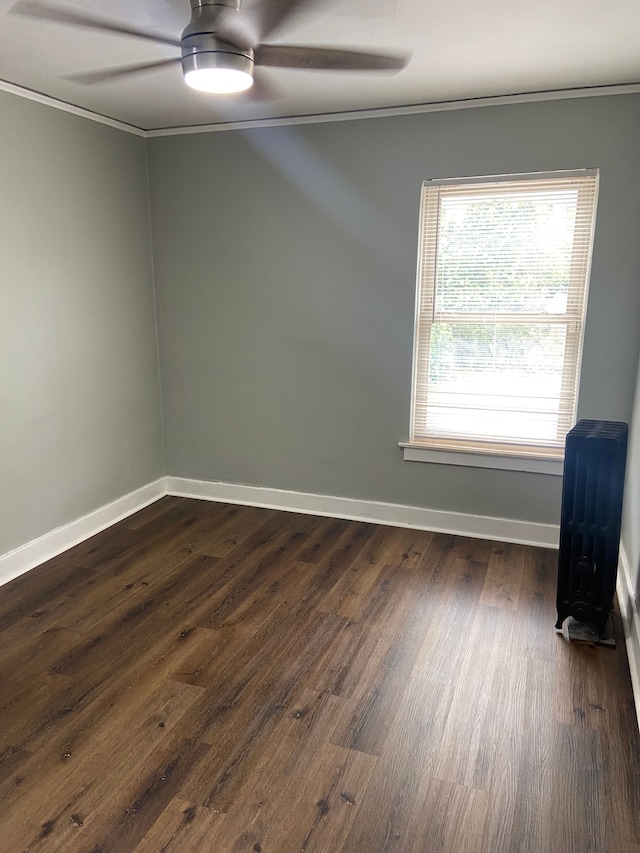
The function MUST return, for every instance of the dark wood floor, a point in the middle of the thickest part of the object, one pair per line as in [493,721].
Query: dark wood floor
[213,678]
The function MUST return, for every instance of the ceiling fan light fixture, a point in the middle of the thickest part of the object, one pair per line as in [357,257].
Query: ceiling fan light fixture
[218,81]
[218,72]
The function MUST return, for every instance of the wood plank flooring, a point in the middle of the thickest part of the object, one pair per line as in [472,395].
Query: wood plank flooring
[204,678]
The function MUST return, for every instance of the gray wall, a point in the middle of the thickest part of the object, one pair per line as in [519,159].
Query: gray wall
[79,391]
[285,271]
[631,509]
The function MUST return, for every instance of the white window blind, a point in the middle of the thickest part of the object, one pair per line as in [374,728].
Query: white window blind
[503,272]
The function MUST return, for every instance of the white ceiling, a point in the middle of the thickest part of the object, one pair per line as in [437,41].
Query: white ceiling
[460,49]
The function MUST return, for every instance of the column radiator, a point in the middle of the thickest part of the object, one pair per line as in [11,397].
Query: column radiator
[594,465]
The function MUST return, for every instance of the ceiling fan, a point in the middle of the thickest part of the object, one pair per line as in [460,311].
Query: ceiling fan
[220,46]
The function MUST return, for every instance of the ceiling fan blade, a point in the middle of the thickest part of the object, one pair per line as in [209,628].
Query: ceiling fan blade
[106,75]
[238,32]
[261,19]
[326,58]
[274,12]
[46,12]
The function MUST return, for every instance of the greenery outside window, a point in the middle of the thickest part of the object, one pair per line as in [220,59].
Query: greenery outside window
[503,273]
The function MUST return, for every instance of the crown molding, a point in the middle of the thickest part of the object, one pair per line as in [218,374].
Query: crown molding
[347,115]
[31,95]
[408,109]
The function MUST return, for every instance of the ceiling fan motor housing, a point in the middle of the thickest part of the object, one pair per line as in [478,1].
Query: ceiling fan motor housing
[201,48]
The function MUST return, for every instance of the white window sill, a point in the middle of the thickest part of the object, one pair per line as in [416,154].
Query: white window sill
[533,464]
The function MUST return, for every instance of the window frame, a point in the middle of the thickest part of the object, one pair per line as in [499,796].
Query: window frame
[512,455]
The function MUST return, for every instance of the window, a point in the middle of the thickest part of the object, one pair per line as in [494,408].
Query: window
[503,271]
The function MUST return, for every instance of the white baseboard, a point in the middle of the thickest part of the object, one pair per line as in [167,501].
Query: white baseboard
[26,557]
[38,551]
[397,515]
[631,623]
